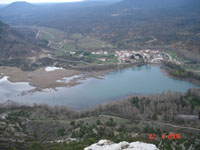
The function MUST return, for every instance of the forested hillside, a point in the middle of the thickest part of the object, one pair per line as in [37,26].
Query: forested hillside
[16,42]
[43,128]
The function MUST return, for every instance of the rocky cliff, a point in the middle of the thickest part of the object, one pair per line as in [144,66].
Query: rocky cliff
[108,145]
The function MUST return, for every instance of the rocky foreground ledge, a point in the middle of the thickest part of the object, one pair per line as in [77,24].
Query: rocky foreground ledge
[108,145]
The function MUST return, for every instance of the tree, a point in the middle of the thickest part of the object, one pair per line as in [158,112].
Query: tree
[61,132]
[98,122]
[36,146]
[154,117]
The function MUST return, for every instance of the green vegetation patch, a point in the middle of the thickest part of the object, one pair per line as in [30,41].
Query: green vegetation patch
[45,36]
[77,36]
[69,47]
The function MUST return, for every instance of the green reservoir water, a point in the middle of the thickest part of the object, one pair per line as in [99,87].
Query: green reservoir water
[92,92]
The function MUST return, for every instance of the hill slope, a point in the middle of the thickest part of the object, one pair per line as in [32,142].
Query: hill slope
[17,43]
[129,24]
[168,24]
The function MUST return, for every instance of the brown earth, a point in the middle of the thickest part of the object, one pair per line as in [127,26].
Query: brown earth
[39,78]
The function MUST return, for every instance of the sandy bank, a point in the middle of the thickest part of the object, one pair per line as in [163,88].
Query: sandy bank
[51,77]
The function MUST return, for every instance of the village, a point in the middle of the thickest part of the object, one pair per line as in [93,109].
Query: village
[149,56]
[131,56]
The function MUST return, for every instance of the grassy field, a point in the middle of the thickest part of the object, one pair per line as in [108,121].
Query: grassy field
[193,67]
[174,55]
[61,40]
[64,43]
[68,47]
[46,36]
[57,34]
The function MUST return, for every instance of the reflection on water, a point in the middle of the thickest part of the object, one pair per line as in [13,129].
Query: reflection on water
[10,90]
[92,92]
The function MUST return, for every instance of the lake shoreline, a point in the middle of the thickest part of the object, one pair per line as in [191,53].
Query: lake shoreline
[42,79]
[99,88]
[56,77]
[166,72]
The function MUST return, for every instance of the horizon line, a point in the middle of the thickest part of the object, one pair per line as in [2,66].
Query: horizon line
[41,2]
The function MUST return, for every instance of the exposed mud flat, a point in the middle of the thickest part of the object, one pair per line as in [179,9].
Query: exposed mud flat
[58,86]
[40,78]
[47,77]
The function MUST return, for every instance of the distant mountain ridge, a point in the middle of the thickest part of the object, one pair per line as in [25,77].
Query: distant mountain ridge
[29,14]
[154,4]
[17,8]
[128,24]
[20,4]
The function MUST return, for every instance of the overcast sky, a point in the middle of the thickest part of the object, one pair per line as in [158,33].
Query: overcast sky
[37,1]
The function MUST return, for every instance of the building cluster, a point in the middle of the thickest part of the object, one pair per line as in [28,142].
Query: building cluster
[102,59]
[152,56]
[72,53]
[131,56]
[100,53]
[127,56]
[65,140]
